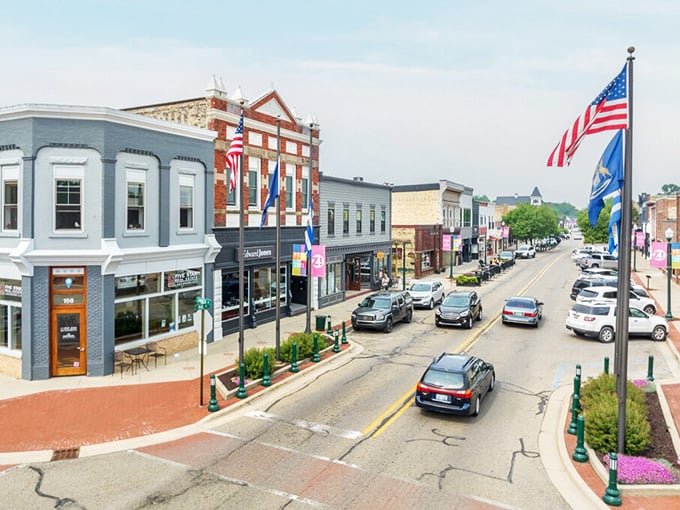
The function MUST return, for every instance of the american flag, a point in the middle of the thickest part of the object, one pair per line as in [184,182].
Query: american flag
[609,110]
[234,154]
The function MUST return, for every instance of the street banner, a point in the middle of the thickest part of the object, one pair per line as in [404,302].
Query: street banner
[457,241]
[505,232]
[675,256]
[446,243]
[299,262]
[640,239]
[318,260]
[658,254]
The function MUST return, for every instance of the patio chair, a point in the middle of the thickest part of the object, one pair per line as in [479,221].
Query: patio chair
[122,360]
[155,352]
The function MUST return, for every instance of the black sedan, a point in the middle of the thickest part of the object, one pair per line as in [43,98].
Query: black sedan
[522,310]
[455,384]
[459,308]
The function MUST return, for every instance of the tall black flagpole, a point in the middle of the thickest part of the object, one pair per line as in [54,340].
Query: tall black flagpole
[241,262]
[278,240]
[308,321]
[623,288]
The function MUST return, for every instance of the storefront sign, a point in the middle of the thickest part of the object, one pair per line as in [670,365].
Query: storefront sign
[67,299]
[10,289]
[257,252]
[182,279]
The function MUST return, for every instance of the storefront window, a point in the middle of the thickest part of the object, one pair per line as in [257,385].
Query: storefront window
[426,260]
[230,296]
[331,283]
[145,308]
[264,288]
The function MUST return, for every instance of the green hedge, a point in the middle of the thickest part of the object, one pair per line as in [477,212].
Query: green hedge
[601,408]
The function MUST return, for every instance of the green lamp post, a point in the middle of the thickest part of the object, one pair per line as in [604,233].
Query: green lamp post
[669,269]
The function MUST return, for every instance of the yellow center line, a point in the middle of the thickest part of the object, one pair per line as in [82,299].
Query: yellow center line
[400,406]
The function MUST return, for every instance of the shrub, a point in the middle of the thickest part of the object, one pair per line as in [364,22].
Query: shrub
[305,346]
[601,409]
[465,279]
[253,360]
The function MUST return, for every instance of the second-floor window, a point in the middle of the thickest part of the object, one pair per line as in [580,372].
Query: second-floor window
[371,220]
[383,220]
[305,188]
[359,219]
[331,219]
[345,219]
[136,183]
[10,201]
[253,182]
[467,217]
[289,191]
[186,201]
[67,209]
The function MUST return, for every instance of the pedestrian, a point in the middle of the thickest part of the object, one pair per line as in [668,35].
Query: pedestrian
[385,281]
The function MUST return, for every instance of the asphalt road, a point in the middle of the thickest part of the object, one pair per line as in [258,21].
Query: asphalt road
[351,437]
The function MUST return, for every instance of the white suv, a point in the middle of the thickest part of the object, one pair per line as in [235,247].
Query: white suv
[598,319]
[608,294]
[525,251]
[426,293]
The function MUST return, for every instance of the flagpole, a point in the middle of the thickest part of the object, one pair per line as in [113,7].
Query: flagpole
[623,289]
[241,269]
[308,320]
[278,240]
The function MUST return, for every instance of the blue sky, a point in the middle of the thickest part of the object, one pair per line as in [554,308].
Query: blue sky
[477,92]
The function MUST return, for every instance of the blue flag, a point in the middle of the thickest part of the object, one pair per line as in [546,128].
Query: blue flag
[273,194]
[608,177]
[615,225]
[309,229]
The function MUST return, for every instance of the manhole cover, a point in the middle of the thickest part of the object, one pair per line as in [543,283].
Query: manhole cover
[66,453]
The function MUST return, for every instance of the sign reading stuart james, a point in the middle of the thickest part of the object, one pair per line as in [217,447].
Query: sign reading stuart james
[257,252]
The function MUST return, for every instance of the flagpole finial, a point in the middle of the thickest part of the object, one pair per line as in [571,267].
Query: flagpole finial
[631,49]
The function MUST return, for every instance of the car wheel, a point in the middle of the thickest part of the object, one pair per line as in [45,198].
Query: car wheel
[650,310]
[659,333]
[493,381]
[478,405]
[479,317]
[606,335]
[355,328]
[388,325]
[469,322]
[431,303]
[595,265]
[409,316]
[436,323]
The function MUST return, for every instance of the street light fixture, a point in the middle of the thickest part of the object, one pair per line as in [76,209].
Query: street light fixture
[669,238]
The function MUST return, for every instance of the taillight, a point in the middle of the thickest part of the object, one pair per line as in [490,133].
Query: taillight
[507,312]
[462,394]
[424,388]
[530,314]
[588,318]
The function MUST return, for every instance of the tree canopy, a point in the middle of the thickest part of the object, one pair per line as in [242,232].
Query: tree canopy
[481,198]
[528,222]
[600,233]
[669,189]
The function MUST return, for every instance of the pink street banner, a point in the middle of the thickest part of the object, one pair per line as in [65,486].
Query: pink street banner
[505,232]
[318,260]
[675,255]
[659,255]
[446,243]
[640,239]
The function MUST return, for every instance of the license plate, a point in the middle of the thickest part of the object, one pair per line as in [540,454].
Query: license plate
[441,398]
[520,314]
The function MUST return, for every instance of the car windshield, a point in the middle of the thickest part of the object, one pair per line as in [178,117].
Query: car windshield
[519,303]
[380,302]
[420,287]
[441,379]
[456,300]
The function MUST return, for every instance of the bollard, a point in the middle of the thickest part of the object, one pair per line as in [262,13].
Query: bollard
[344,333]
[293,362]
[329,330]
[213,405]
[266,378]
[241,393]
[315,355]
[580,453]
[578,374]
[606,364]
[577,393]
[612,496]
[650,368]
[337,336]
[572,429]
[336,347]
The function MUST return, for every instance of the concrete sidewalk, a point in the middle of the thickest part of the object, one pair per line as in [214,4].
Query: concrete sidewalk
[162,404]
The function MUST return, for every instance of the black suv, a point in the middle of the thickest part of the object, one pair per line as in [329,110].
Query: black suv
[459,308]
[601,281]
[382,309]
[455,384]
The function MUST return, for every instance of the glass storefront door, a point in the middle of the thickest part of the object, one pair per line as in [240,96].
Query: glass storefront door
[69,356]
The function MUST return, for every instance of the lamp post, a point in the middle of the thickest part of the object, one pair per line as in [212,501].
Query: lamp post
[403,265]
[451,229]
[669,238]
[635,229]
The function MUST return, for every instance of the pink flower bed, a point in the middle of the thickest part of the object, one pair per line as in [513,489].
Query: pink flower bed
[640,470]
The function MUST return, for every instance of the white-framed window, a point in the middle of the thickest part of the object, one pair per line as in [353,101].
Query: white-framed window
[68,198]
[9,197]
[136,199]
[255,139]
[272,142]
[253,183]
[290,187]
[186,202]
[305,188]
[291,147]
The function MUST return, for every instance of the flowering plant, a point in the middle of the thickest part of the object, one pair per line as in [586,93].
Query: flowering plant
[640,470]
[645,385]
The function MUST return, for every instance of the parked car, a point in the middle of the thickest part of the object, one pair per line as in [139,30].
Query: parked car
[459,308]
[382,309]
[598,319]
[599,271]
[598,260]
[593,294]
[525,251]
[522,310]
[455,384]
[578,236]
[426,293]
[602,281]
[506,255]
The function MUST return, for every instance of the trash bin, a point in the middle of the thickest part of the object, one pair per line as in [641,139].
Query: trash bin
[320,322]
